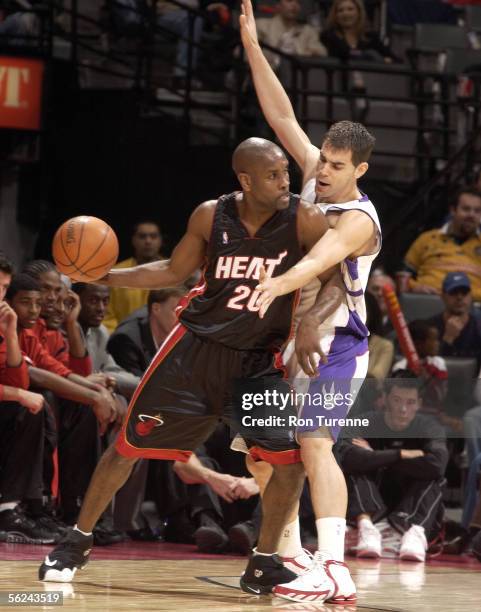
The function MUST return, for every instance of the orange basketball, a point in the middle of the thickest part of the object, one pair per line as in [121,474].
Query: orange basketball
[85,248]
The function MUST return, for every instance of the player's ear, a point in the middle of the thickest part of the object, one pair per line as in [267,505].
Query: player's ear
[245,181]
[361,169]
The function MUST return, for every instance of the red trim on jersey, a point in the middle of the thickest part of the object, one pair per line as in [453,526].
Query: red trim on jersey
[197,290]
[276,457]
[122,445]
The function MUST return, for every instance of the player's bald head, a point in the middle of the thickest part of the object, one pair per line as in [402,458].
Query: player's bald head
[253,151]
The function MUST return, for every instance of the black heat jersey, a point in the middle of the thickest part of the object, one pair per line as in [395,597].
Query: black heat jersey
[223,308]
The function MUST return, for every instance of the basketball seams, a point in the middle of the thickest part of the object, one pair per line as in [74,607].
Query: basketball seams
[84,263]
[77,270]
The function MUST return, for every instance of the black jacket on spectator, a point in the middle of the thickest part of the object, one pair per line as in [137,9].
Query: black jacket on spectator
[467,344]
[369,48]
[132,345]
[424,433]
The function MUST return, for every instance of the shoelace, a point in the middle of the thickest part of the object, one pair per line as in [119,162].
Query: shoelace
[318,560]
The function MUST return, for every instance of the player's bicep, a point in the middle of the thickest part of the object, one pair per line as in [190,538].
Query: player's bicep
[189,254]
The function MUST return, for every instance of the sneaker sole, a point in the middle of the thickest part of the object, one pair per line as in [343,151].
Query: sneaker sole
[368,554]
[15,537]
[255,589]
[301,596]
[411,557]
[54,575]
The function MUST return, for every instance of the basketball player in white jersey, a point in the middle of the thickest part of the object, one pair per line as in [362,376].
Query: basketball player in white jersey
[330,176]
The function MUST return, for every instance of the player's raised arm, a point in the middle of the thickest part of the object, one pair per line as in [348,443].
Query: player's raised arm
[274,102]
[352,232]
[187,257]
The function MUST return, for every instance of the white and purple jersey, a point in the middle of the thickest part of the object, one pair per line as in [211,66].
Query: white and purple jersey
[344,334]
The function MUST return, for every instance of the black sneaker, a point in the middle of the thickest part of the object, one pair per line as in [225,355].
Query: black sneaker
[70,554]
[263,573]
[210,537]
[243,537]
[20,529]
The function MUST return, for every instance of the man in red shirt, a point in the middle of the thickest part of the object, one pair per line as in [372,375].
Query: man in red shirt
[21,431]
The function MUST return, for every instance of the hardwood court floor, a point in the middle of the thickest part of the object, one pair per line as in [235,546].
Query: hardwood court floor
[133,579]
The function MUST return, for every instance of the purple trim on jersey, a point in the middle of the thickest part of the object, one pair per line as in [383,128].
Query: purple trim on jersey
[355,293]
[364,198]
[352,268]
[335,377]
[355,327]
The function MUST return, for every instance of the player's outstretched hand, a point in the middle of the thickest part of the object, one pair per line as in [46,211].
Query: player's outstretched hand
[248,25]
[269,289]
[308,345]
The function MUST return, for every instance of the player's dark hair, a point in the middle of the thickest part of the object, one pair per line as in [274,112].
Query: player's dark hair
[350,136]
[36,267]
[6,266]
[21,282]
[403,379]
[159,296]
[419,330]
[466,189]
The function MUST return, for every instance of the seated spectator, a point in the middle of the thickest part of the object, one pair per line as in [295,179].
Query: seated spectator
[135,341]
[21,432]
[94,300]
[396,470]
[458,328]
[146,243]
[375,284]
[346,36]
[285,32]
[434,372]
[456,247]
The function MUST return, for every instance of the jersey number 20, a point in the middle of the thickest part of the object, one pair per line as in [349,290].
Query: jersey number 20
[244,298]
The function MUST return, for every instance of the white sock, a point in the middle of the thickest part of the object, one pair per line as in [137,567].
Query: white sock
[75,528]
[365,522]
[254,551]
[9,506]
[290,543]
[330,536]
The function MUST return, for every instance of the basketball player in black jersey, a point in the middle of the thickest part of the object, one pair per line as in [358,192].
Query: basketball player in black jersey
[219,337]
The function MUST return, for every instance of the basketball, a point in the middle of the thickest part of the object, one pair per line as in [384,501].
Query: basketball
[85,248]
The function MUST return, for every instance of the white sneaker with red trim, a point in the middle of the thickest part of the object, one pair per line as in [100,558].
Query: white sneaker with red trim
[413,544]
[300,563]
[345,589]
[314,584]
[369,542]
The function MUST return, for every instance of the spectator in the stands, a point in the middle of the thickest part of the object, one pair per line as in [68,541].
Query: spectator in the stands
[285,32]
[434,371]
[455,247]
[135,341]
[375,284]
[395,469]
[21,432]
[459,329]
[346,35]
[146,244]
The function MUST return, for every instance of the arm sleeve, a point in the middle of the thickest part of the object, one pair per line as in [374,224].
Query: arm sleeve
[430,467]
[42,359]
[356,460]
[81,365]
[16,377]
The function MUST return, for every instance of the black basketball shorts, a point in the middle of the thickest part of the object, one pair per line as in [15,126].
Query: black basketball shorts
[184,393]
